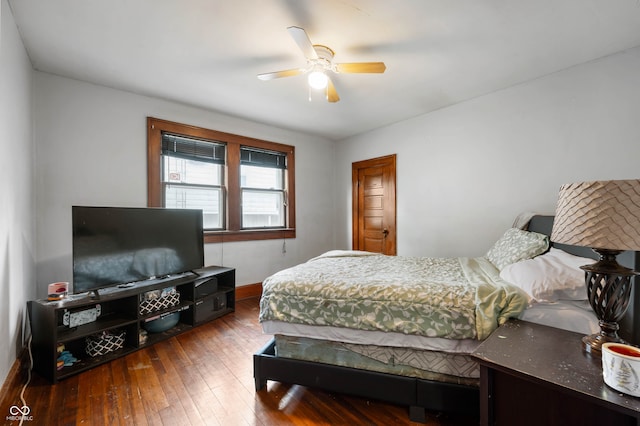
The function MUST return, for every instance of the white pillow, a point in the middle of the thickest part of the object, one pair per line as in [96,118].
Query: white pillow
[555,275]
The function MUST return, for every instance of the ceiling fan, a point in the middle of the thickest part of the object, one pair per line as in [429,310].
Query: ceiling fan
[319,63]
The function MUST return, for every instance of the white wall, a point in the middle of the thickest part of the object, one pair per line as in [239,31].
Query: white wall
[17,219]
[465,172]
[91,150]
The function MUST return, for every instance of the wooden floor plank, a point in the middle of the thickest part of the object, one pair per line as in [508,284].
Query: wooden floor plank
[125,402]
[203,377]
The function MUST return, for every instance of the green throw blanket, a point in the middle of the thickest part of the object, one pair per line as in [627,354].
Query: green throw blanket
[454,298]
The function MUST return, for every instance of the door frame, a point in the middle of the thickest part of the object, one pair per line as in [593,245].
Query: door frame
[387,160]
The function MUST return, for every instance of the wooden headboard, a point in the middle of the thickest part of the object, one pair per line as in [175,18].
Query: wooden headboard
[630,259]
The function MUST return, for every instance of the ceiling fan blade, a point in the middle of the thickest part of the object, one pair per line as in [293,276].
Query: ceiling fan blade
[332,94]
[278,74]
[304,43]
[361,67]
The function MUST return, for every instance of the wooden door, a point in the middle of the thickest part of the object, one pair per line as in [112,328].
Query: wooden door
[374,205]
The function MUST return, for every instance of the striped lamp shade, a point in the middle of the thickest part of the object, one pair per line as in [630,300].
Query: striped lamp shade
[601,214]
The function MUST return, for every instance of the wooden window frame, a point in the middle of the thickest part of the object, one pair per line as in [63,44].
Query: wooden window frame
[233,232]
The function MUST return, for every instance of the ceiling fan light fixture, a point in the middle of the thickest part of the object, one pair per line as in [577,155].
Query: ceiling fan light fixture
[319,63]
[318,79]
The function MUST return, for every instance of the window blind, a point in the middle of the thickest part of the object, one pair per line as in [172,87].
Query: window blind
[193,149]
[262,158]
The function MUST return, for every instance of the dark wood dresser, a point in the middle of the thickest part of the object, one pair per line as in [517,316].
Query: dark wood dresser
[531,374]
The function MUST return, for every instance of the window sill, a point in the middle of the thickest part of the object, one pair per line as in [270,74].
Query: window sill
[248,235]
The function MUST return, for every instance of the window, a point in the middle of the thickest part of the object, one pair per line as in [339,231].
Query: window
[244,186]
[192,177]
[262,187]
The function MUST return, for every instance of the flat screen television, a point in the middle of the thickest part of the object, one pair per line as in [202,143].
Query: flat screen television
[121,245]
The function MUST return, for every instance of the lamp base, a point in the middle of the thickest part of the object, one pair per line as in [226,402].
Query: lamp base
[593,344]
[608,290]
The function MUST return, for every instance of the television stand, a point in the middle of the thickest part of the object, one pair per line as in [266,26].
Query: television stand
[120,314]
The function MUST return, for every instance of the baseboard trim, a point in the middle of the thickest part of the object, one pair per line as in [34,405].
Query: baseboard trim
[248,291]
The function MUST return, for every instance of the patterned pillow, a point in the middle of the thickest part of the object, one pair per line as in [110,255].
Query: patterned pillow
[516,245]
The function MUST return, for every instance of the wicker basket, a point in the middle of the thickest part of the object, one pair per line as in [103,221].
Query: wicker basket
[152,305]
[102,344]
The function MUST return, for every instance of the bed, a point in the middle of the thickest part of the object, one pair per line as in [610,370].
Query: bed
[406,333]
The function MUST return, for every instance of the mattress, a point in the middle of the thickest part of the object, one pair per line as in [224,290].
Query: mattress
[574,316]
[367,337]
[431,365]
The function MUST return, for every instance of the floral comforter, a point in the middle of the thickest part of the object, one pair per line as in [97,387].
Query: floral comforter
[455,298]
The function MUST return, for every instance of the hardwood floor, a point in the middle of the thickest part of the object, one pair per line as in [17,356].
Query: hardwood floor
[202,377]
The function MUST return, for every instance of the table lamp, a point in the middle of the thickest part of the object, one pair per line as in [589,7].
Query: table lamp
[605,216]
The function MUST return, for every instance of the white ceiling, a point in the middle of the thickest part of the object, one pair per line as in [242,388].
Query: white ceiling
[207,53]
